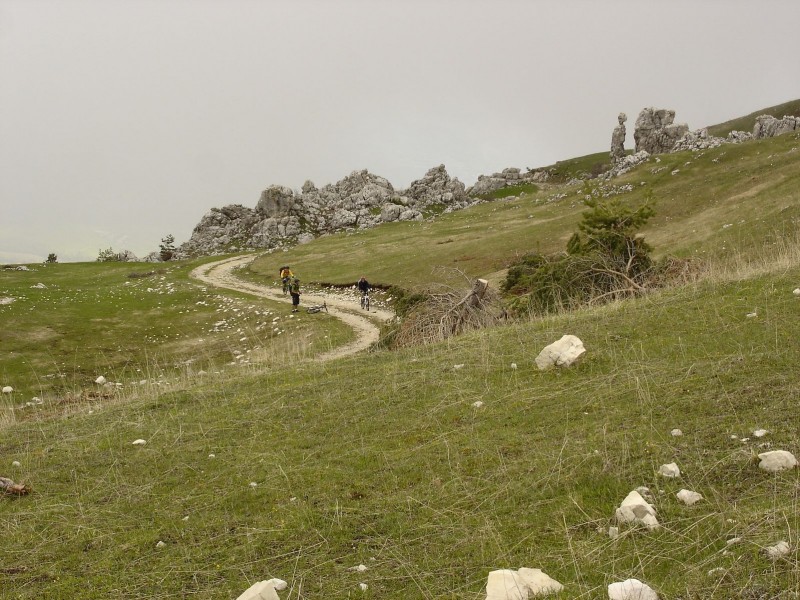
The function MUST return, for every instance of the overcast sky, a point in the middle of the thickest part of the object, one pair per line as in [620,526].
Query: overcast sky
[122,121]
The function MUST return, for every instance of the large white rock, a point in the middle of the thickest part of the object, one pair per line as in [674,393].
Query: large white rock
[635,509]
[539,583]
[507,584]
[631,589]
[7,389]
[671,470]
[777,460]
[778,551]
[263,590]
[688,497]
[562,353]
[100,380]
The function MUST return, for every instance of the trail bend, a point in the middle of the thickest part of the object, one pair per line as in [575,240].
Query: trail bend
[221,274]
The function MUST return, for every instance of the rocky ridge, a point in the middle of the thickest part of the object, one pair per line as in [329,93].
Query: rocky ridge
[360,200]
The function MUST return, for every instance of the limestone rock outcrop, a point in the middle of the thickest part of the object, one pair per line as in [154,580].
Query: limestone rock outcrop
[510,177]
[656,132]
[285,217]
[618,139]
[768,126]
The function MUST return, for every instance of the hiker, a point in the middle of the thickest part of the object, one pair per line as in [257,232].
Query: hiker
[294,290]
[286,277]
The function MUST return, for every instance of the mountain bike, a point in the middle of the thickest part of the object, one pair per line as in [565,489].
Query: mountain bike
[318,308]
[365,301]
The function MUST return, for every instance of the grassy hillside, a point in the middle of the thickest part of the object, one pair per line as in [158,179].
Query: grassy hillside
[272,465]
[747,122]
[707,204]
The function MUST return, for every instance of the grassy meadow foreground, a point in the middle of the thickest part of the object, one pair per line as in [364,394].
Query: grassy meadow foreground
[279,466]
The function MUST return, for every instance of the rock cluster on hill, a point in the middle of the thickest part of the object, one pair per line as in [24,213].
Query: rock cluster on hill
[360,200]
[656,132]
[509,177]
[769,126]
[700,139]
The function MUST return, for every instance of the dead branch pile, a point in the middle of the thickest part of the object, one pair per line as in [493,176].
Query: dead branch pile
[449,311]
[15,489]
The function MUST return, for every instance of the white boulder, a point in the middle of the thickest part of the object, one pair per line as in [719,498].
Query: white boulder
[676,433]
[263,590]
[138,442]
[688,497]
[777,460]
[563,353]
[507,584]
[631,589]
[100,380]
[7,389]
[635,509]
[670,470]
[778,551]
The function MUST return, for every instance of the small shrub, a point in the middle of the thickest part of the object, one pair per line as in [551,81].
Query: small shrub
[52,258]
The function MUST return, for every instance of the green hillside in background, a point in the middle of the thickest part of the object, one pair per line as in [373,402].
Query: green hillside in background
[432,465]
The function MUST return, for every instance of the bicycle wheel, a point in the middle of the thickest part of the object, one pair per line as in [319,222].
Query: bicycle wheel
[366,303]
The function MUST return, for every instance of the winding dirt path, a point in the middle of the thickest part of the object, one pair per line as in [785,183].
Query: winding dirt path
[220,274]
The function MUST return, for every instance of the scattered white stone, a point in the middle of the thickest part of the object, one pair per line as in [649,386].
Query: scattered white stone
[760,433]
[363,587]
[212,456]
[751,315]
[39,286]
[186,518]
[477,404]
[676,433]
[717,570]
[631,589]
[777,460]
[796,291]
[613,532]
[507,584]
[688,497]
[8,389]
[100,380]
[160,544]
[253,484]
[6,300]
[634,509]
[562,353]
[16,463]
[138,442]
[359,568]
[733,541]
[778,551]
[278,584]
[457,367]
[263,590]
[513,365]
[670,470]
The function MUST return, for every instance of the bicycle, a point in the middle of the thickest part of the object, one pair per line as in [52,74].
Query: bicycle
[286,285]
[365,301]
[318,308]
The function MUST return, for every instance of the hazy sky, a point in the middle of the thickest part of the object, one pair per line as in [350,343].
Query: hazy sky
[122,121]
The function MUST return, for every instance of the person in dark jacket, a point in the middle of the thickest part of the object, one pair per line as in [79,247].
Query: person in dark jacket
[294,290]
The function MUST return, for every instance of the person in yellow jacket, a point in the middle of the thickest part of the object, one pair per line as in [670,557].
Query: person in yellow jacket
[286,278]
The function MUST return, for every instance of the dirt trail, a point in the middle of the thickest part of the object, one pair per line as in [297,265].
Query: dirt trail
[220,274]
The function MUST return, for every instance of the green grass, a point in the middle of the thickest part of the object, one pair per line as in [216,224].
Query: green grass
[135,323]
[381,459]
[514,190]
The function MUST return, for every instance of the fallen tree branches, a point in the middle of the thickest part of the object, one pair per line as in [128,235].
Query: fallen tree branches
[446,311]
[14,489]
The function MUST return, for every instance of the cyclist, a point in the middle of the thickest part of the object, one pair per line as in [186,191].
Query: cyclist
[363,287]
[286,278]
